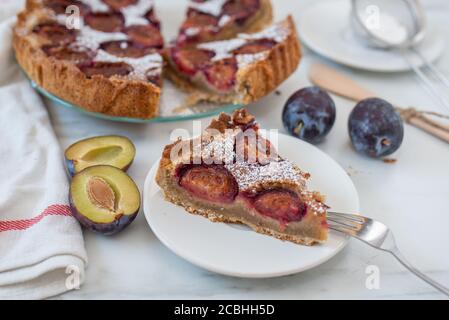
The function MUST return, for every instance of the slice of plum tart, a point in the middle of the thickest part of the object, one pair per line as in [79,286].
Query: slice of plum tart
[102,55]
[239,70]
[232,174]
[208,20]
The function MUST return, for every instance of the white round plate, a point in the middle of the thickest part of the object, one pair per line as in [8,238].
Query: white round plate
[237,251]
[324,27]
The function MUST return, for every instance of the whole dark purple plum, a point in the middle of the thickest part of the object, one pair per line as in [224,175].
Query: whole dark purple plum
[309,114]
[375,128]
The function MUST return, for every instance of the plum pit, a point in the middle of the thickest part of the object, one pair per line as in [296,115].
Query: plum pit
[104,199]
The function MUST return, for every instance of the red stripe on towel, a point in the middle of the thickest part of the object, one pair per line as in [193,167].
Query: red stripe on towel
[53,210]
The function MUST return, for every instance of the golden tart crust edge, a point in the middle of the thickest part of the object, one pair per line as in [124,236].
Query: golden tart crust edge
[114,96]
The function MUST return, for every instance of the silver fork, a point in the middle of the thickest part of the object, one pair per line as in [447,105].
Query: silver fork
[377,235]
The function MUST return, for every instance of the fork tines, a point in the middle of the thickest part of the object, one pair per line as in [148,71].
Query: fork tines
[347,223]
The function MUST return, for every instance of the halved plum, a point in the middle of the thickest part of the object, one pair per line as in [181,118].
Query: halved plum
[104,199]
[115,151]
[209,182]
[190,60]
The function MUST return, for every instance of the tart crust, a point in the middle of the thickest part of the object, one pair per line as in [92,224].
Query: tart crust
[311,229]
[115,96]
[124,97]
[255,80]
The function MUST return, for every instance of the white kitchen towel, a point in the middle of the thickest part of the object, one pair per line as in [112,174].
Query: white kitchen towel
[42,250]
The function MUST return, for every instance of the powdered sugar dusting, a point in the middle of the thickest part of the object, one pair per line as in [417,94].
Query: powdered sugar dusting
[220,150]
[212,7]
[245,60]
[142,66]
[224,20]
[134,14]
[316,207]
[91,38]
[277,32]
[250,175]
[223,48]
[192,31]
[96,5]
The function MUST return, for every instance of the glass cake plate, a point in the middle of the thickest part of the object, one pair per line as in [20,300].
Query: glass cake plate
[168,112]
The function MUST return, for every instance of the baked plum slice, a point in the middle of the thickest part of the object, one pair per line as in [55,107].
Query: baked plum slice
[119,4]
[241,10]
[69,54]
[255,47]
[60,6]
[213,183]
[146,36]
[104,199]
[190,60]
[105,21]
[116,151]
[154,77]
[123,48]
[197,26]
[55,34]
[221,75]
[106,69]
[280,204]
[151,17]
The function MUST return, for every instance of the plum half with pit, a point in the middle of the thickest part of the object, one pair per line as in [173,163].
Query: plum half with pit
[117,151]
[104,199]
[309,114]
[375,128]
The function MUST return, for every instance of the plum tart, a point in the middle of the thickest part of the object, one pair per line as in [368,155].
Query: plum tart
[239,70]
[108,60]
[232,174]
[108,56]
[209,20]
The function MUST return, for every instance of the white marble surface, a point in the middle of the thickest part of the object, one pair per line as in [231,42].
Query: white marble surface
[411,196]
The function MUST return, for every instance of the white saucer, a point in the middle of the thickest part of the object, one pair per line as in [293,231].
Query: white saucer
[237,251]
[324,27]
